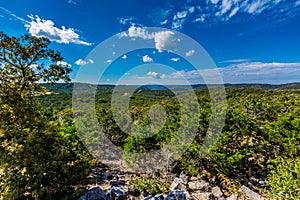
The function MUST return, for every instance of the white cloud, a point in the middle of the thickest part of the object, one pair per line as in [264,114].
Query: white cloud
[83,62]
[109,61]
[226,6]
[153,74]
[233,12]
[199,19]
[164,40]
[236,61]
[63,63]
[192,9]
[178,23]
[12,16]
[214,1]
[125,20]
[163,76]
[259,72]
[124,56]
[190,53]
[139,32]
[147,58]
[175,59]
[181,14]
[256,7]
[164,22]
[45,28]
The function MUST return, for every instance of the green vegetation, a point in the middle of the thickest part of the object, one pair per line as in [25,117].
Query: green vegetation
[261,126]
[40,158]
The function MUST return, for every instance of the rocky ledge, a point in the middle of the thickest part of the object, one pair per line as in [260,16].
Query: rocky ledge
[110,184]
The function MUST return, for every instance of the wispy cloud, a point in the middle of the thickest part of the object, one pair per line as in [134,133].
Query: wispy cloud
[236,61]
[72,2]
[126,20]
[251,72]
[218,11]
[82,62]
[45,28]
[12,16]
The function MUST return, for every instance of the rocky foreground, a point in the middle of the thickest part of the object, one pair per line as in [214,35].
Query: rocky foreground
[115,184]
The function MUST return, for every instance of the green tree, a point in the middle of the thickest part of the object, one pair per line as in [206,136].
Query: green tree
[39,158]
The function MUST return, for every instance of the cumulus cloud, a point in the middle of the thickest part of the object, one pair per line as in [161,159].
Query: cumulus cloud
[164,40]
[82,62]
[190,53]
[175,59]
[45,28]
[147,58]
[153,74]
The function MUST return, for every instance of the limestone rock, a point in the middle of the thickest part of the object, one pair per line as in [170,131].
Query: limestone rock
[202,195]
[199,185]
[216,191]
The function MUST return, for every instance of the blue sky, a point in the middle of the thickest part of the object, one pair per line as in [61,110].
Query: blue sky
[250,41]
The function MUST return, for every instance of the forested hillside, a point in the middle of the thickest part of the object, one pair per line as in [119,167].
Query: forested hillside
[259,144]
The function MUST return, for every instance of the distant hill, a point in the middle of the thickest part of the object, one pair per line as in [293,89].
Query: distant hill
[68,87]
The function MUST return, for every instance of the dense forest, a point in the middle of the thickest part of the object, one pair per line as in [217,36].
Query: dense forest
[44,155]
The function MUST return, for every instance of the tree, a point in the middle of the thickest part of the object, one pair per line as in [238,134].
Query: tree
[25,61]
[39,158]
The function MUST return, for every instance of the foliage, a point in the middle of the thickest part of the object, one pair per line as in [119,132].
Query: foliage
[39,158]
[153,186]
[260,127]
[284,179]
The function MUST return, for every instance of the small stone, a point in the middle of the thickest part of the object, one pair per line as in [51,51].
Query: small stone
[199,185]
[178,184]
[216,191]
[117,193]
[202,195]
[250,194]
[94,194]
[156,197]
[178,195]
[183,177]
